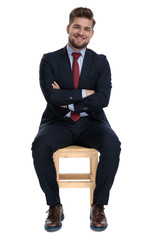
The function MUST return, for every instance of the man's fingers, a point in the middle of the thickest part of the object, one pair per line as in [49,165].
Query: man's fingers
[56,84]
[89,92]
[65,106]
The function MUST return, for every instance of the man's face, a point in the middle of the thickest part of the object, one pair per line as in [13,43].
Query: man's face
[80,32]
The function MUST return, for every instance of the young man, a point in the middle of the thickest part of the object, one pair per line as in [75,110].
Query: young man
[76,83]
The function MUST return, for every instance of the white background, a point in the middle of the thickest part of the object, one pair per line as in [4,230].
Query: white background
[127,31]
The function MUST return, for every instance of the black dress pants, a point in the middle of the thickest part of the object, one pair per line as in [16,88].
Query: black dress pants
[85,132]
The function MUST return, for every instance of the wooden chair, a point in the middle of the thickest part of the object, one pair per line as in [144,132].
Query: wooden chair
[77,152]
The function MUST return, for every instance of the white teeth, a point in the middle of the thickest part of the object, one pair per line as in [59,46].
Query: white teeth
[80,38]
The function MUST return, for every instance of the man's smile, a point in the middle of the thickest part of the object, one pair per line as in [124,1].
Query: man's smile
[79,38]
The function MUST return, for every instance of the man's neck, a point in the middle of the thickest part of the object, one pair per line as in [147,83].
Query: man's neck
[75,49]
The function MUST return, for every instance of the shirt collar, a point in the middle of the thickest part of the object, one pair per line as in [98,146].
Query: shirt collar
[71,50]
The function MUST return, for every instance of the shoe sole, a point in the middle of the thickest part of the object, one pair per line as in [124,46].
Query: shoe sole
[54,229]
[97,229]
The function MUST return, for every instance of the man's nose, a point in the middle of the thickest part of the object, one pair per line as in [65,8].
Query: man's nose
[81,31]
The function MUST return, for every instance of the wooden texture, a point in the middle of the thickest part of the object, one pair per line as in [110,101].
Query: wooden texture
[77,180]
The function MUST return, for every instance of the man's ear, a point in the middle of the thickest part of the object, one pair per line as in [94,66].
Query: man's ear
[67,28]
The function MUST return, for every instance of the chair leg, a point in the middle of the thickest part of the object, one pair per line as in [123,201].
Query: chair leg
[93,169]
[91,195]
[56,163]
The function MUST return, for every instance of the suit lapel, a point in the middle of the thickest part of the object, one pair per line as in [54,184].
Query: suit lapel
[85,68]
[66,68]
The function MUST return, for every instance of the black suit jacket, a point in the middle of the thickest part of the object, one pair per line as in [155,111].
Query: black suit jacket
[95,75]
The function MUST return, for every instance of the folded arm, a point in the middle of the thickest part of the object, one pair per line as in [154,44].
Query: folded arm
[85,93]
[100,98]
[97,98]
[57,97]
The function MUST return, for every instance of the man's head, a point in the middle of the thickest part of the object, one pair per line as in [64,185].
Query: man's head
[80,28]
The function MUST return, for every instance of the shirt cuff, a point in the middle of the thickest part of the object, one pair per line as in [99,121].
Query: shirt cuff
[71,107]
[84,93]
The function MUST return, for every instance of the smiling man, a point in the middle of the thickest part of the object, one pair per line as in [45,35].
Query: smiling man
[76,83]
[80,32]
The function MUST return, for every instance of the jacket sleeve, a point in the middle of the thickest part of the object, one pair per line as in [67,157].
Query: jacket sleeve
[100,98]
[57,97]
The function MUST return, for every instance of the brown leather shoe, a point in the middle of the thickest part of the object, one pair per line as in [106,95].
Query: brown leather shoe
[98,219]
[55,216]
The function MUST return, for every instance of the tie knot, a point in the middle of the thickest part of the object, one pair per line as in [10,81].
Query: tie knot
[76,55]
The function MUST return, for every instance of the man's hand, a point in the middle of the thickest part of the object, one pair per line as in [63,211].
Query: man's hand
[56,86]
[89,92]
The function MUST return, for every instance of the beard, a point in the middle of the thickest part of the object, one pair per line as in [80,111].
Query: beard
[83,45]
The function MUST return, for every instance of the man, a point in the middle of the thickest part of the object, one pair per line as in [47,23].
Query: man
[76,83]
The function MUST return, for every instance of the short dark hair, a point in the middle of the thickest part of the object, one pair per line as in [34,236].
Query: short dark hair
[81,12]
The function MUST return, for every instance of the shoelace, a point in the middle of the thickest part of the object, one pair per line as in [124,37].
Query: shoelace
[52,207]
[100,209]
[51,211]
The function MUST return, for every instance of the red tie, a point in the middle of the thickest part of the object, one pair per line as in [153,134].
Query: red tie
[75,72]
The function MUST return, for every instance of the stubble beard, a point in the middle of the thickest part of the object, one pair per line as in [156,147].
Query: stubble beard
[72,42]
